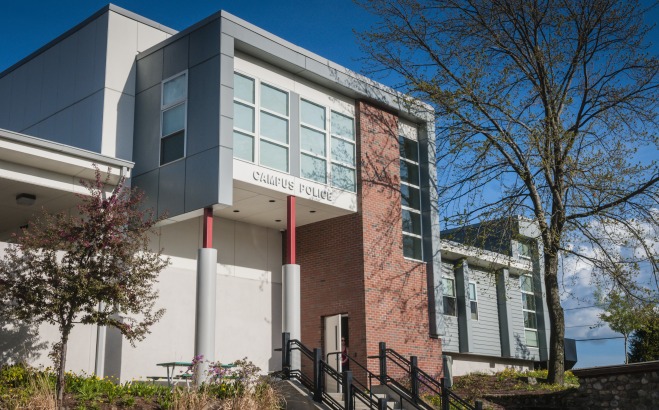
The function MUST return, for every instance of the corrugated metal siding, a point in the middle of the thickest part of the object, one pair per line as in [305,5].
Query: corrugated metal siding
[485,331]
[450,341]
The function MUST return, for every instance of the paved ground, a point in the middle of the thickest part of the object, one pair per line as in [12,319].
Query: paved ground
[296,397]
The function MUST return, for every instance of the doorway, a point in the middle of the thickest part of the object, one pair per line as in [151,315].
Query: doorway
[336,330]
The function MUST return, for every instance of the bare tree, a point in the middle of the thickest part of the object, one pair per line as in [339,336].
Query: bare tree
[546,109]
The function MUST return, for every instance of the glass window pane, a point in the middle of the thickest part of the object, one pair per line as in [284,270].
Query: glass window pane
[474,309]
[343,151]
[343,126]
[312,114]
[243,146]
[243,117]
[449,306]
[274,156]
[312,141]
[243,88]
[274,127]
[411,222]
[526,283]
[175,90]
[409,149]
[472,291]
[410,197]
[530,320]
[172,147]
[528,301]
[274,99]
[173,119]
[313,168]
[412,247]
[343,177]
[448,287]
[409,172]
[524,249]
[531,338]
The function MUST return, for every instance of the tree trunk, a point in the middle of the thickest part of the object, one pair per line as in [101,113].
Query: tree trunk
[62,366]
[626,355]
[556,366]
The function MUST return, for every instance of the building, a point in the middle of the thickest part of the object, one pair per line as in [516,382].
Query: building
[298,193]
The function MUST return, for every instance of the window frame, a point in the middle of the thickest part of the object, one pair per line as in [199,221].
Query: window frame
[453,297]
[417,165]
[531,294]
[521,244]
[473,300]
[170,106]
[258,108]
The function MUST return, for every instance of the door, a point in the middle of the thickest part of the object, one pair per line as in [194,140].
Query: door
[333,345]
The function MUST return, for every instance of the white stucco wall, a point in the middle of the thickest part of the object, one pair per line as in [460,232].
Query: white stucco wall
[248,320]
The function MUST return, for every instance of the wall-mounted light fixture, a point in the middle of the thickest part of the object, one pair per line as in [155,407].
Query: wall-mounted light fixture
[25,199]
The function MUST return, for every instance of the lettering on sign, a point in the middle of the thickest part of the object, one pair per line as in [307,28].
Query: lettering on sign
[294,186]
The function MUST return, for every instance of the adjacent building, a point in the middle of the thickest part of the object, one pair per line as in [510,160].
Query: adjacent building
[299,194]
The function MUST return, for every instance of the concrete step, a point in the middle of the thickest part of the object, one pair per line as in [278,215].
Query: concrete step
[391,404]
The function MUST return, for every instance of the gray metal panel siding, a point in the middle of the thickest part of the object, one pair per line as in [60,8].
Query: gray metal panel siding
[201,179]
[226,176]
[451,339]
[146,143]
[148,183]
[149,71]
[203,107]
[170,185]
[485,331]
[175,57]
[205,42]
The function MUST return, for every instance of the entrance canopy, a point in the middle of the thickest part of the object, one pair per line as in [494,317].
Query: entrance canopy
[36,174]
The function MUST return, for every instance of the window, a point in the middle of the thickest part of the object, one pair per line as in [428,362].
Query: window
[260,123]
[410,198]
[173,112]
[473,301]
[327,138]
[529,310]
[449,300]
[524,249]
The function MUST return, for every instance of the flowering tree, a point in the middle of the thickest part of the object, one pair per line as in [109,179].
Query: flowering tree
[62,267]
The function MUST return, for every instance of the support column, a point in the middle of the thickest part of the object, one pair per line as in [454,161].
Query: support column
[290,293]
[206,296]
[461,270]
[101,331]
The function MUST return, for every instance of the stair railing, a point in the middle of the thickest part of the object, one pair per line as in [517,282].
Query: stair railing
[315,384]
[418,379]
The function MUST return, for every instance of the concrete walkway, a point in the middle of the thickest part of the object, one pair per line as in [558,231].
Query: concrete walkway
[296,397]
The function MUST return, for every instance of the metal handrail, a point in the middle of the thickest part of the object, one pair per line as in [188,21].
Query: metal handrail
[369,374]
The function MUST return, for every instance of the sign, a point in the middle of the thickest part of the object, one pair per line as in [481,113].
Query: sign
[293,185]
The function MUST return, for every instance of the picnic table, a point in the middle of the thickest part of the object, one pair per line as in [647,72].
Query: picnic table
[171,371]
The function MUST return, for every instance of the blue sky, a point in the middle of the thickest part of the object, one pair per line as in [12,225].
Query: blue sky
[324,27]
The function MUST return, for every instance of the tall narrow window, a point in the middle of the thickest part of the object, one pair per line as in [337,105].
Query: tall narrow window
[410,198]
[473,301]
[529,310]
[313,142]
[524,249]
[343,152]
[260,123]
[173,113]
[449,301]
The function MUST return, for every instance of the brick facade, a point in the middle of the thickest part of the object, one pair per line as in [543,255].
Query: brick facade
[354,264]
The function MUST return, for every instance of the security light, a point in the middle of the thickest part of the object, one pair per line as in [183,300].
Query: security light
[25,199]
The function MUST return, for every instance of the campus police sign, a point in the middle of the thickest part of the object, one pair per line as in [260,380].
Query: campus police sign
[290,185]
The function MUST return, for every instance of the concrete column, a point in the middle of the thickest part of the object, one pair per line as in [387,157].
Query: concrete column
[99,365]
[505,314]
[461,270]
[205,310]
[290,307]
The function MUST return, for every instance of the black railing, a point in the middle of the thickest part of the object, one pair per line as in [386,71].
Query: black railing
[412,384]
[419,381]
[321,369]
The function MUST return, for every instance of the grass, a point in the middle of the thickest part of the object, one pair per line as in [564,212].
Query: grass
[22,387]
